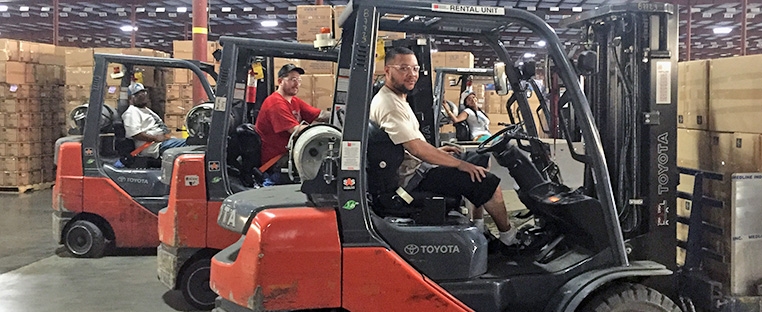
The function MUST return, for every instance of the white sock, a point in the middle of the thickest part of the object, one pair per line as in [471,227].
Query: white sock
[479,224]
[509,237]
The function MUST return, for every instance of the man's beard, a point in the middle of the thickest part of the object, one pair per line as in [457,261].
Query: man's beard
[400,87]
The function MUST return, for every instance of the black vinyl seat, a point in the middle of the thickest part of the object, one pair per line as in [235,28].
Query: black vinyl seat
[384,160]
[124,146]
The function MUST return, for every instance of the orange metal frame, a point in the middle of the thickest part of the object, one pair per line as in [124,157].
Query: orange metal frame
[291,259]
[133,224]
[189,220]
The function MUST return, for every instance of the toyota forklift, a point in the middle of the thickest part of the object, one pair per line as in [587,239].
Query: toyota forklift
[198,182]
[95,200]
[327,247]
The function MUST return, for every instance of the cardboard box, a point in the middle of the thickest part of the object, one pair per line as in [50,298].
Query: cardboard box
[173,91]
[108,50]
[78,57]
[13,72]
[457,59]
[438,59]
[391,35]
[79,75]
[736,152]
[323,90]
[9,50]
[15,134]
[305,89]
[693,95]
[182,46]
[734,94]
[337,10]
[10,163]
[26,49]
[186,91]
[180,76]
[46,49]
[310,19]
[52,59]
[77,93]
[29,76]
[15,178]
[316,67]
[694,149]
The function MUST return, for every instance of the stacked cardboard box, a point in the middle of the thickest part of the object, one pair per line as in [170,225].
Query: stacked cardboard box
[718,120]
[183,49]
[31,97]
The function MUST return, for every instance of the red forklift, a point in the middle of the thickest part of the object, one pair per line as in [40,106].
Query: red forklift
[197,183]
[95,201]
[606,246]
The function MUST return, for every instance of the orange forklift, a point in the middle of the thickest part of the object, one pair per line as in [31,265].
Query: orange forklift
[197,183]
[95,200]
[606,246]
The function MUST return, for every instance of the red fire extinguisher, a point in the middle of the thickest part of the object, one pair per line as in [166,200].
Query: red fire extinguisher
[251,87]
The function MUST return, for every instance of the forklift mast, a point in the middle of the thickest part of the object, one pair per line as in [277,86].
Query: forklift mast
[632,90]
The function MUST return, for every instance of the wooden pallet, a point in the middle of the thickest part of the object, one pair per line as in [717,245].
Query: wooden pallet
[26,188]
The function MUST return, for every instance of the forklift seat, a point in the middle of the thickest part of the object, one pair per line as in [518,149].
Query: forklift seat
[124,146]
[384,159]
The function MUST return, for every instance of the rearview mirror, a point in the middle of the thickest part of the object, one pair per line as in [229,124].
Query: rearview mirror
[500,78]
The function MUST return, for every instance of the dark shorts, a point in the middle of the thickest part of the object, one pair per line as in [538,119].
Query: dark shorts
[453,182]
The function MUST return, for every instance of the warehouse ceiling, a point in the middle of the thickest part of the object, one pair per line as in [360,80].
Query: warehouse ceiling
[98,23]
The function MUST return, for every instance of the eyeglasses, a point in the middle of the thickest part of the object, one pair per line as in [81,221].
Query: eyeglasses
[406,68]
[293,79]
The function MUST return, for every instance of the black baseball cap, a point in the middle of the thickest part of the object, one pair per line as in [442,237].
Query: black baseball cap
[283,72]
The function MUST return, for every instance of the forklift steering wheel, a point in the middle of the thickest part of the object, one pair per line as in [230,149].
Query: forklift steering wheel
[507,133]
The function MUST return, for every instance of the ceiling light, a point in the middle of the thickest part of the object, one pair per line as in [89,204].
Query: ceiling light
[24,9]
[226,9]
[140,10]
[529,55]
[160,10]
[45,9]
[247,9]
[722,30]
[434,50]
[128,28]
[577,9]
[3,8]
[182,9]
[541,43]
[269,23]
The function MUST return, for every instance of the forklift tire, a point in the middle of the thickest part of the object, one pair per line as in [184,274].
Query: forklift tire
[84,239]
[195,285]
[630,297]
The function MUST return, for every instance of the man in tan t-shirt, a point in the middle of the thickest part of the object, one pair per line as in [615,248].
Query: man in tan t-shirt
[390,110]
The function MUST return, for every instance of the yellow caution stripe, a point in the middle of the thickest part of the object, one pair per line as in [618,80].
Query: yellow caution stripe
[200,30]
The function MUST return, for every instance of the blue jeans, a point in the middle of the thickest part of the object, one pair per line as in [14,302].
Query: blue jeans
[170,143]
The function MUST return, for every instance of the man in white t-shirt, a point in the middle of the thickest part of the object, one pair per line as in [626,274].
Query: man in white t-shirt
[450,176]
[143,125]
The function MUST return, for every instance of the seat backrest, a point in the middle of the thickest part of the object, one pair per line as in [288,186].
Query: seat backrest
[123,145]
[384,160]
[245,143]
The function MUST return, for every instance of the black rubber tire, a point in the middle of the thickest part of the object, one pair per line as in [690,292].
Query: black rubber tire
[194,285]
[625,297]
[84,239]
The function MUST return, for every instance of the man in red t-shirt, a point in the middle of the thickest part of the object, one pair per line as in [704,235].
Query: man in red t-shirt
[282,114]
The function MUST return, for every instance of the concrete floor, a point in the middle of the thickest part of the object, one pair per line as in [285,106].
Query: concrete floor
[36,275]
